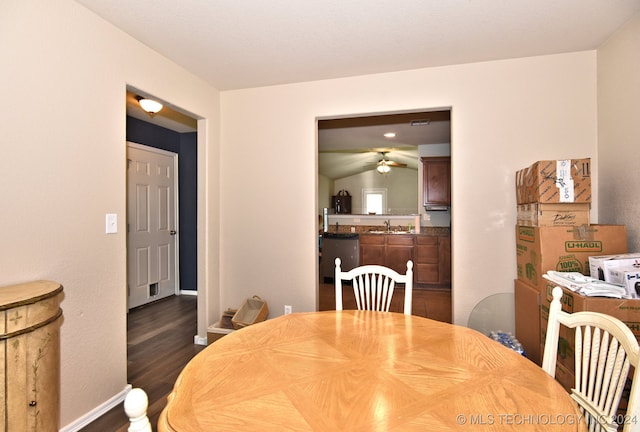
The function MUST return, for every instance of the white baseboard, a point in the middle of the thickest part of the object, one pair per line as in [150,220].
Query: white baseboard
[189,292]
[97,412]
[200,340]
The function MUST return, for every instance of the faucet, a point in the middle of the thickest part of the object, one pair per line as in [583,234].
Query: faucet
[388,224]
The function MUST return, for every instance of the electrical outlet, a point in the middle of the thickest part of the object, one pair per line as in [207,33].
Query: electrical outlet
[287,309]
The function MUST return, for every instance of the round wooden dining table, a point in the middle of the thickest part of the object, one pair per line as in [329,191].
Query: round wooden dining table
[364,371]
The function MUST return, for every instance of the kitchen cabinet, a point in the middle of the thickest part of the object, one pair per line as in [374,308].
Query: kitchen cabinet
[398,250]
[436,181]
[444,260]
[30,390]
[433,260]
[372,249]
[426,260]
[431,255]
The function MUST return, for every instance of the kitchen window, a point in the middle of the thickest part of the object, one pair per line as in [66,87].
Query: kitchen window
[374,200]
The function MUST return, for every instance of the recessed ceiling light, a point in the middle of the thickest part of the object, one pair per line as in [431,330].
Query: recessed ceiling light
[390,135]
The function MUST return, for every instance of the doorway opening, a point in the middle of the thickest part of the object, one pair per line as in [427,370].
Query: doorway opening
[176,133]
[360,153]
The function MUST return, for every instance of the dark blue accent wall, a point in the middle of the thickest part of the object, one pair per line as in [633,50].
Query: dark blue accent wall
[185,145]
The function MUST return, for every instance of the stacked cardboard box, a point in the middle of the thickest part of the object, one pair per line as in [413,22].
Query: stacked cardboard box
[540,249]
[554,233]
[567,249]
[564,240]
[539,214]
[554,193]
[555,181]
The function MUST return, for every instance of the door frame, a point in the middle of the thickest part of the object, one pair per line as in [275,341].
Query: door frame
[176,210]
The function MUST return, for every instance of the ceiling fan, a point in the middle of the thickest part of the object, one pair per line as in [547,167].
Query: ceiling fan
[384,165]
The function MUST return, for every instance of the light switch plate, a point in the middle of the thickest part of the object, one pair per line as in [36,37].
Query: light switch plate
[111,223]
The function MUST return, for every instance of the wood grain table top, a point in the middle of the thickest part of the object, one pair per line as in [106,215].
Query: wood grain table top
[364,371]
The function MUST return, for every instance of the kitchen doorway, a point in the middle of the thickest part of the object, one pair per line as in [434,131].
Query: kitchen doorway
[361,152]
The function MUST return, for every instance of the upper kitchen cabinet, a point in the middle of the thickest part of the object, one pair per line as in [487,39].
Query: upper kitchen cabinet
[436,179]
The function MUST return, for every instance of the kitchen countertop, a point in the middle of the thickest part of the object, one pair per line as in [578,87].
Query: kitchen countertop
[344,231]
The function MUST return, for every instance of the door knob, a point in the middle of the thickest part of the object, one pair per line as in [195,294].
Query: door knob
[173,232]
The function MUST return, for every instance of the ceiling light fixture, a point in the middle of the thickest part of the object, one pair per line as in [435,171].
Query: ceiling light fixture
[149,105]
[390,135]
[383,168]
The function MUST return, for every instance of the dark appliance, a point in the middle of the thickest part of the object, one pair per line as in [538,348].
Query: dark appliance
[339,245]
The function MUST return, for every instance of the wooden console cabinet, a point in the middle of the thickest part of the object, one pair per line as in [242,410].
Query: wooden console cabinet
[30,355]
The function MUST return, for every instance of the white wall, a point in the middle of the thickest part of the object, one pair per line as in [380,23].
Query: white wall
[63,79]
[505,116]
[619,130]
[401,185]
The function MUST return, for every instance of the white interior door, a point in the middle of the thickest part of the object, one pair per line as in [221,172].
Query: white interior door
[151,223]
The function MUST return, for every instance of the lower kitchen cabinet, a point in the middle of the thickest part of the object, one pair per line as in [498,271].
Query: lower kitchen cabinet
[433,260]
[444,260]
[399,250]
[372,249]
[427,260]
[431,255]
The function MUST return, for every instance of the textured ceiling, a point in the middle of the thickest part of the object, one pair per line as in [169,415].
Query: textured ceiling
[236,44]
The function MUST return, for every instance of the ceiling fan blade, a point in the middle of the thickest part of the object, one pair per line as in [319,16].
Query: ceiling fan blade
[372,150]
[396,164]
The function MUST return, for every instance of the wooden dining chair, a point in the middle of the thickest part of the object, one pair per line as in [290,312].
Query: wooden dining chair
[605,348]
[373,286]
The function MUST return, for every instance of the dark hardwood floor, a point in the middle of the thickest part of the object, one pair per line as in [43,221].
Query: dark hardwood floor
[159,344]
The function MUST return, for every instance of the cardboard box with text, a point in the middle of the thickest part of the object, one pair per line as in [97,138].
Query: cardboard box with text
[555,181]
[540,249]
[539,214]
